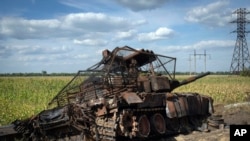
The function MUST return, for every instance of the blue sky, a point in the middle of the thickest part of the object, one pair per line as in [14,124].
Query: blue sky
[69,35]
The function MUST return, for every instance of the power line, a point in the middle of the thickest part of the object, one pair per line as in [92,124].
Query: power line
[241,58]
[200,55]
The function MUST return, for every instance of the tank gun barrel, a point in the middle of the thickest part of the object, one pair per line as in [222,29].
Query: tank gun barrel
[177,84]
[193,78]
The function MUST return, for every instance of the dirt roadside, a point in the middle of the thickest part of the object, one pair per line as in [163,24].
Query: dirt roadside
[233,114]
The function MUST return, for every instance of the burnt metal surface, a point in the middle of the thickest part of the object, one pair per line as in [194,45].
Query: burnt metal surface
[126,96]
[131,97]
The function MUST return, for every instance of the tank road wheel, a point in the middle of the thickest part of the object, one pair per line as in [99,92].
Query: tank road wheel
[143,126]
[158,123]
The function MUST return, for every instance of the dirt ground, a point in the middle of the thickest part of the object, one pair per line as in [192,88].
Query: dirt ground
[238,114]
[233,114]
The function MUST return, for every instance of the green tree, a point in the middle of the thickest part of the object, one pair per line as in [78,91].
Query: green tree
[245,72]
[44,73]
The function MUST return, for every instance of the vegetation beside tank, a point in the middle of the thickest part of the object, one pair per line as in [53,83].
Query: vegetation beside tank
[22,97]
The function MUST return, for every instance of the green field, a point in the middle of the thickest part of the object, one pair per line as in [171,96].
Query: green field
[22,97]
[222,88]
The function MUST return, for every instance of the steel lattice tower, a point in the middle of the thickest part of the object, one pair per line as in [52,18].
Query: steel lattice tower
[241,58]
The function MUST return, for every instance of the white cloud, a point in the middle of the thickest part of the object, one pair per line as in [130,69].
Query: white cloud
[126,35]
[76,24]
[138,5]
[33,58]
[81,56]
[12,49]
[95,5]
[163,32]
[214,44]
[91,42]
[203,44]
[213,14]
[160,33]
[22,28]
[96,22]
[62,39]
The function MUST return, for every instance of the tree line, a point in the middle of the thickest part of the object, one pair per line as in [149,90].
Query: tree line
[37,74]
[44,73]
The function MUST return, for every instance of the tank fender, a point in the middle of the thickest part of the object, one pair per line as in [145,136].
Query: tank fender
[171,111]
[189,104]
[131,97]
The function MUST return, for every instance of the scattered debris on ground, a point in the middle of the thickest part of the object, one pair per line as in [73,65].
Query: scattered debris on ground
[233,114]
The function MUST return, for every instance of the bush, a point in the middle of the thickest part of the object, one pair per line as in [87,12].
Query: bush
[245,72]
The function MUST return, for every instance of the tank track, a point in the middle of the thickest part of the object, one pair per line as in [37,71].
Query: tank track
[145,124]
[106,129]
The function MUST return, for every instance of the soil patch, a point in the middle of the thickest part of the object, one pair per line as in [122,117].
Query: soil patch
[233,114]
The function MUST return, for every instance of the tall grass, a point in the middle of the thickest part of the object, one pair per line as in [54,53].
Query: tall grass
[22,97]
[223,89]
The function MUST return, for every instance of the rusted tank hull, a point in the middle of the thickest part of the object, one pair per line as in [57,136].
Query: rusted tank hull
[157,115]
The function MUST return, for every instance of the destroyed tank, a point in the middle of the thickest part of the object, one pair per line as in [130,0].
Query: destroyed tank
[126,96]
